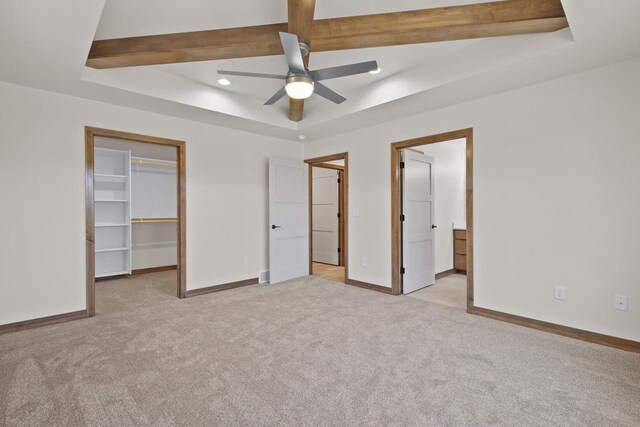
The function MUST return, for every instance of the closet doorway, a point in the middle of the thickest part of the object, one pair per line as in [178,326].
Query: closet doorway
[135,219]
[328,181]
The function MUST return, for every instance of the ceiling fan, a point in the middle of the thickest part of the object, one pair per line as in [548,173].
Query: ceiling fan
[300,82]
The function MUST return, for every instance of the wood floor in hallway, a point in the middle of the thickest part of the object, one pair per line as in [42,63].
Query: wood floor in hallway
[329,272]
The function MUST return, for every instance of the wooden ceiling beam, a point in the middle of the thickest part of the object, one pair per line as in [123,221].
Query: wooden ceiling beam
[510,17]
[243,42]
[301,24]
[501,18]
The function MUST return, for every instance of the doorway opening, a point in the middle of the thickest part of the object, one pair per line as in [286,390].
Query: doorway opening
[328,207]
[432,218]
[135,219]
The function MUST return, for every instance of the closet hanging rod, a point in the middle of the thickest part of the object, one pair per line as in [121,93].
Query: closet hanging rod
[152,220]
[151,162]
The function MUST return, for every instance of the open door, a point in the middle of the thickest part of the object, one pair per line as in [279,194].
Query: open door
[288,220]
[418,255]
[326,216]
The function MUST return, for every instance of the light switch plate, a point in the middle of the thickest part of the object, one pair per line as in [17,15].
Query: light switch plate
[356,211]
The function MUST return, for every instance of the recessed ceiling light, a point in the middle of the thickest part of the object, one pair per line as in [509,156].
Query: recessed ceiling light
[224,82]
[376,71]
[302,137]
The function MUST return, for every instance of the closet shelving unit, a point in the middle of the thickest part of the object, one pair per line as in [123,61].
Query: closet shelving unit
[154,212]
[112,195]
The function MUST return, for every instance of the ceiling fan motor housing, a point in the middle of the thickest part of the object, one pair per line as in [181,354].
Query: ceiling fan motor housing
[295,78]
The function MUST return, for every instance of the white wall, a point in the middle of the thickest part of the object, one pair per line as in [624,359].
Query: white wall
[556,197]
[449,179]
[42,240]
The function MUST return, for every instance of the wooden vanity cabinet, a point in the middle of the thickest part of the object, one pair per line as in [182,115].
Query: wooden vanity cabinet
[460,251]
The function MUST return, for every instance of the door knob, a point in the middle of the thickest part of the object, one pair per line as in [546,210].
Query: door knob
[273,227]
[433,226]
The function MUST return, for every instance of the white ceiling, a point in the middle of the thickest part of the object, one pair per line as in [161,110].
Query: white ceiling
[392,60]
[45,44]
[127,18]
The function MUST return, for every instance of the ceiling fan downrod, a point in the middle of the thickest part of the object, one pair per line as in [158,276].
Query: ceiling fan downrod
[304,49]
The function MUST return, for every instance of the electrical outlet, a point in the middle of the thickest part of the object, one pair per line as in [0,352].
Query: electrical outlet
[620,302]
[246,259]
[561,292]
[363,261]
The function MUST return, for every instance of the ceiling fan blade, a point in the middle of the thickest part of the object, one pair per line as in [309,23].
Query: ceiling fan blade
[343,70]
[327,93]
[243,74]
[291,48]
[276,97]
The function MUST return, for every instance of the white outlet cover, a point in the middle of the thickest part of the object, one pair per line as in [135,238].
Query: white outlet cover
[620,302]
[363,261]
[356,211]
[560,292]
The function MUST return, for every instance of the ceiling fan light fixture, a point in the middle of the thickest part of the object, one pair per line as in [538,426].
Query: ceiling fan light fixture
[299,87]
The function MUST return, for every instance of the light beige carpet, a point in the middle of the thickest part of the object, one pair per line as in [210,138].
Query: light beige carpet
[309,352]
[450,290]
[136,292]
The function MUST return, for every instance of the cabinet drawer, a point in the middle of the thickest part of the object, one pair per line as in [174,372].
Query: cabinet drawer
[460,234]
[460,246]
[460,262]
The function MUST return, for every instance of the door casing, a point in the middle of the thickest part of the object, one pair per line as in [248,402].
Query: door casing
[343,202]
[90,231]
[396,204]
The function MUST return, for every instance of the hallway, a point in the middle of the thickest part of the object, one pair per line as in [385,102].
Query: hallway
[330,272]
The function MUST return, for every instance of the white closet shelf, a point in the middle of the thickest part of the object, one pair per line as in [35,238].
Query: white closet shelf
[111,250]
[106,175]
[153,244]
[112,197]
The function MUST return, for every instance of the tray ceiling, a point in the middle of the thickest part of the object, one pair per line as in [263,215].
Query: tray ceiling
[415,78]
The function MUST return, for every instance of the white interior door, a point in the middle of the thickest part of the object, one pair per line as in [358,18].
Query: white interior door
[326,223]
[288,220]
[418,255]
